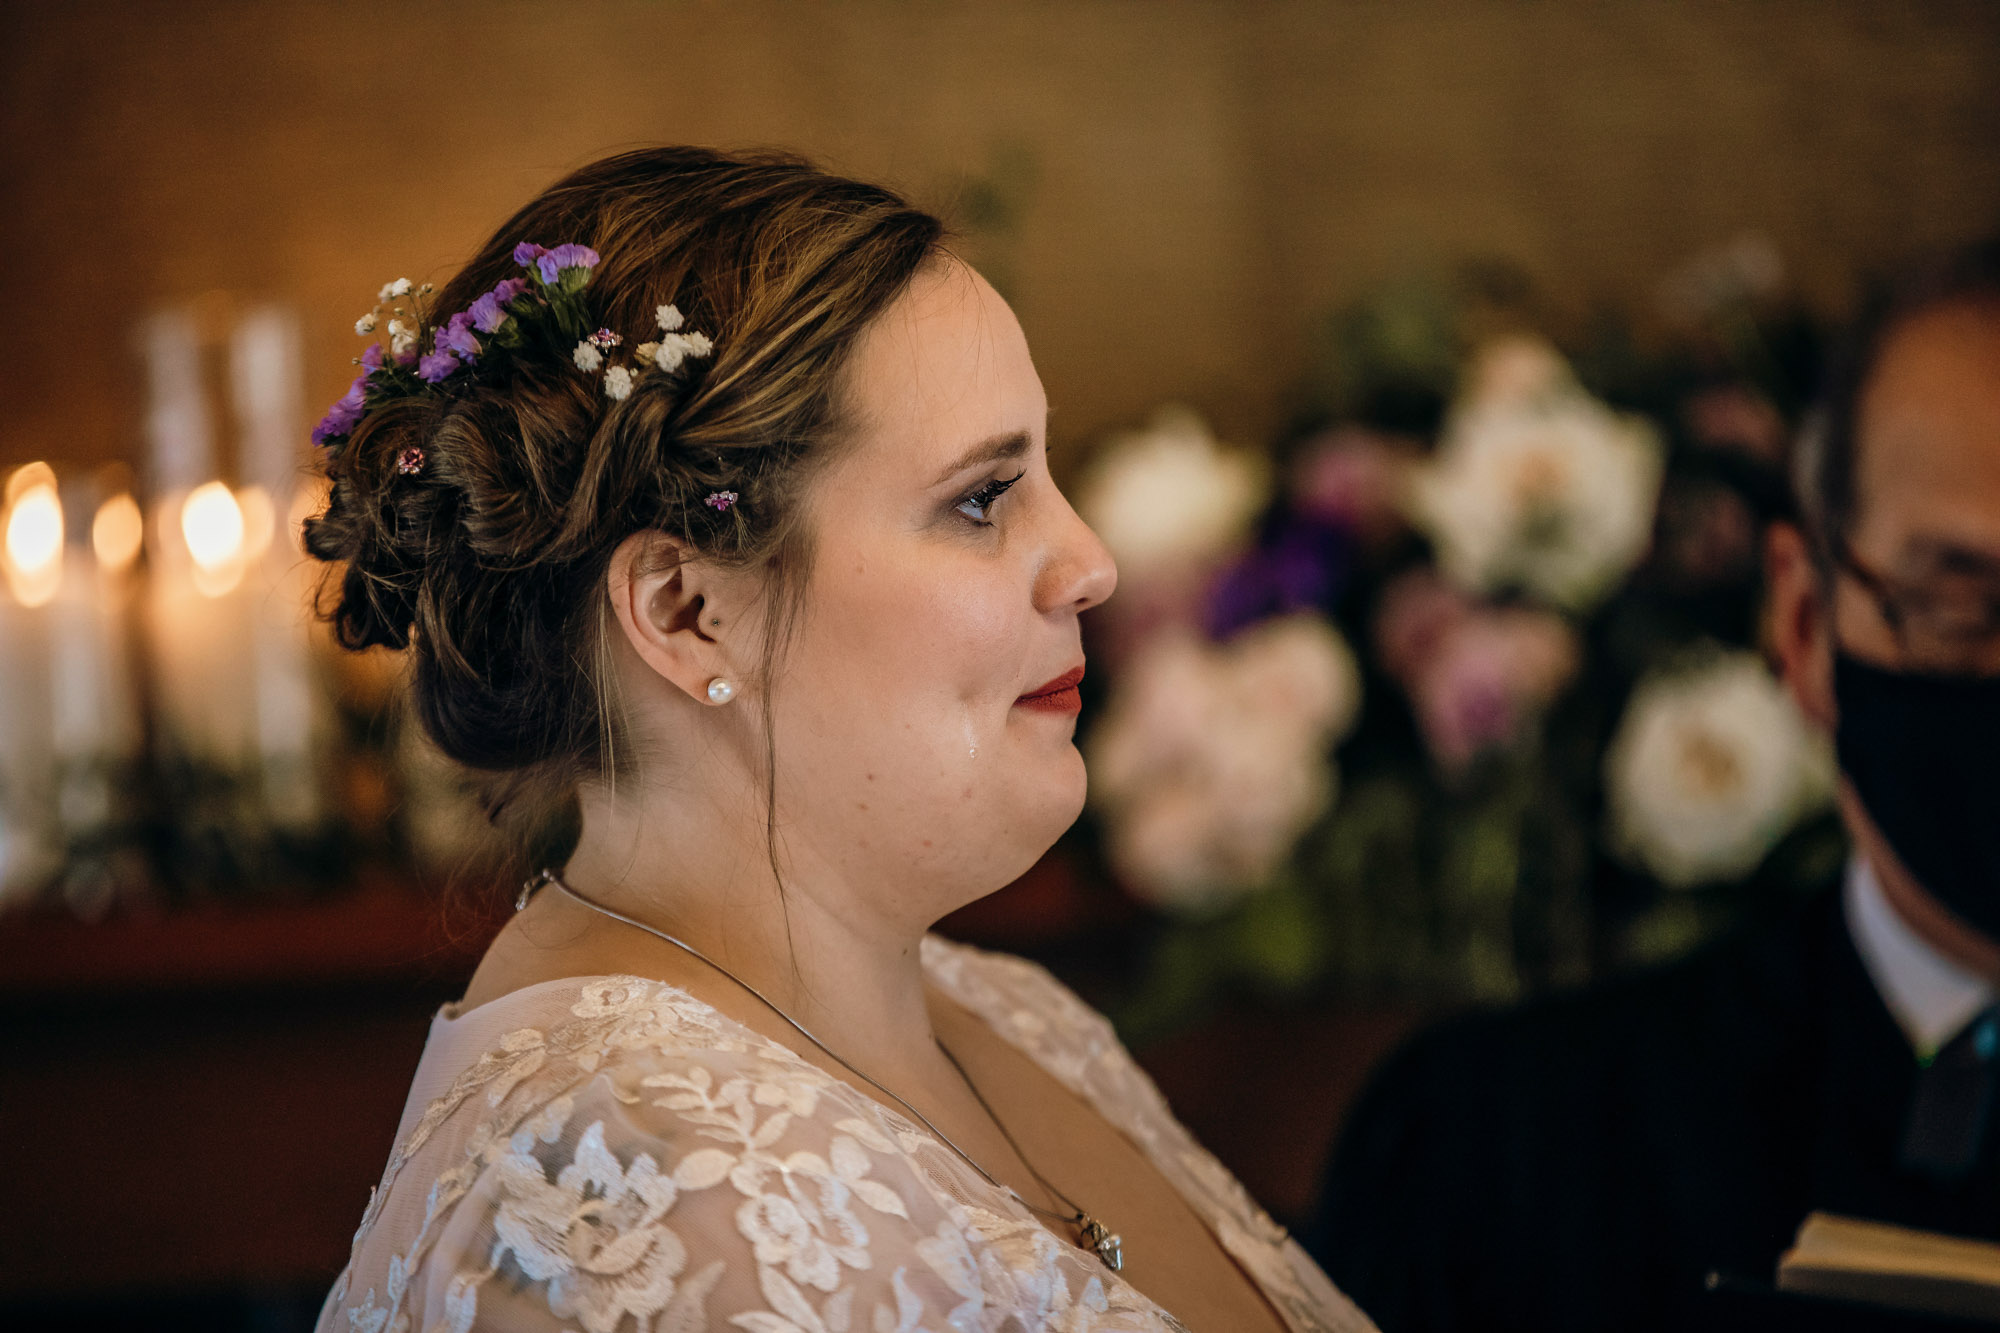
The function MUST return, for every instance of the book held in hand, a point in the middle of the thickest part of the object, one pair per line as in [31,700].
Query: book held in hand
[1854,1259]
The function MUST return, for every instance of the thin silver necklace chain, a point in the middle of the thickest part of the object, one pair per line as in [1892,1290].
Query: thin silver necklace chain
[1090,1233]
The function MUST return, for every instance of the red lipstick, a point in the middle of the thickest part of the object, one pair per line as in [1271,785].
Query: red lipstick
[1057,696]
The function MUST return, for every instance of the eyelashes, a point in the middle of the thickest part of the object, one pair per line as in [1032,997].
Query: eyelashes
[983,499]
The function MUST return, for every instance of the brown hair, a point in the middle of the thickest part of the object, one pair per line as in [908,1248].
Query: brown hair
[489,564]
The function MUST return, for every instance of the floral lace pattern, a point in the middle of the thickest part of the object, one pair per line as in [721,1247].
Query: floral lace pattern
[635,1159]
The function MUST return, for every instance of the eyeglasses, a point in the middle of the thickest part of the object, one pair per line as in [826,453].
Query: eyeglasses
[1947,623]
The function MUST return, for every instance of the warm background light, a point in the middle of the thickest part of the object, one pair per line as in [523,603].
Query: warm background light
[212,524]
[260,522]
[117,532]
[34,534]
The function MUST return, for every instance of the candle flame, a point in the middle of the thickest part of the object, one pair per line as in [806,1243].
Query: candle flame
[33,544]
[212,524]
[117,533]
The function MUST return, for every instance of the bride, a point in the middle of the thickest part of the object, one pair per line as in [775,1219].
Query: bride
[712,502]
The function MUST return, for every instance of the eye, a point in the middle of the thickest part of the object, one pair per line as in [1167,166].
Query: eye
[976,505]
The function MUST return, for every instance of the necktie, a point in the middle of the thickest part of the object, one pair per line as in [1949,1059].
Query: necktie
[1953,1102]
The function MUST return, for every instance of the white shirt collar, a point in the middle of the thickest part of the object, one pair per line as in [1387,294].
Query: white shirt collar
[1931,996]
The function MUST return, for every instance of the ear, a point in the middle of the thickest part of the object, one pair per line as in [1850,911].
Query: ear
[684,616]
[1796,622]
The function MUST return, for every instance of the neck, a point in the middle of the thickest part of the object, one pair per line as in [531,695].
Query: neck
[1923,914]
[823,952]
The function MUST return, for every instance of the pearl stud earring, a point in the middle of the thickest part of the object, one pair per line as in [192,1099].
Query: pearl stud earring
[720,691]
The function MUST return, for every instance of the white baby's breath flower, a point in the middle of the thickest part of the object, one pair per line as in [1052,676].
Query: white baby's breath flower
[1709,768]
[402,338]
[366,324]
[1555,496]
[674,348]
[670,317]
[1168,495]
[586,356]
[392,290]
[618,384]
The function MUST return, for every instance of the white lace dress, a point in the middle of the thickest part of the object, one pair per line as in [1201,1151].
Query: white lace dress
[603,1153]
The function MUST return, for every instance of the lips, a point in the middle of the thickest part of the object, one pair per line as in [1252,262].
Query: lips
[1057,696]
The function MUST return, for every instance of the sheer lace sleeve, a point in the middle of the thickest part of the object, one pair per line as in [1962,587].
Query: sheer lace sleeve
[649,1164]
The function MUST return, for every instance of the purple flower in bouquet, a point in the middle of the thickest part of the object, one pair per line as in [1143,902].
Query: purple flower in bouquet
[1356,479]
[1498,671]
[1300,565]
[1477,675]
[489,312]
[1736,417]
[341,419]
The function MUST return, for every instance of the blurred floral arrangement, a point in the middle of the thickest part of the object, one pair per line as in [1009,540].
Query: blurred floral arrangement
[1454,693]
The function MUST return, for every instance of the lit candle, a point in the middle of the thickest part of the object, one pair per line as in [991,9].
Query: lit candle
[31,559]
[196,620]
[292,716]
[93,704]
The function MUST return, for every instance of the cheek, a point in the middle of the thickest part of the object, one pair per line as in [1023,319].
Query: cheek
[917,648]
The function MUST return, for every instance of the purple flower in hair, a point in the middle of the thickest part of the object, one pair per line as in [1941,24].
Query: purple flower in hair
[371,360]
[527,252]
[456,336]
[551,263]
[489,312]
[341,419]
[437,367]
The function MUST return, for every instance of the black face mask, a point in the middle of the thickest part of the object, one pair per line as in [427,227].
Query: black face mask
[1923,753]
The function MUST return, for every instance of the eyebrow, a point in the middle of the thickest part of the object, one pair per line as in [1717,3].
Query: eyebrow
[1014,444]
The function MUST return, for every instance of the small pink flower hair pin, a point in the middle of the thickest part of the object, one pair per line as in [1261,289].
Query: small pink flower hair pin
[410,461]
[720,501]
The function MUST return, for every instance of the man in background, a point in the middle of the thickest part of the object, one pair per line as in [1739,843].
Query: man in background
[1582,1163]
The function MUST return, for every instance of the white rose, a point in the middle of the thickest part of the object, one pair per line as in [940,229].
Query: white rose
[1299,670]
[1514,371]
[1212,760]
[1168,493]
[1710,768]
[1556,496]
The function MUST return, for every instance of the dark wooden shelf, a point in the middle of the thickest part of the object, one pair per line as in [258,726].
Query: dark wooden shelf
[383,929]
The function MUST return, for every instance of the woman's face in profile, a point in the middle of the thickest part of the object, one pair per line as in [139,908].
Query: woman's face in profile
[947,578]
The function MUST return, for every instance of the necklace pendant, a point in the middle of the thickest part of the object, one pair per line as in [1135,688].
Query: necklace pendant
[1091,1235]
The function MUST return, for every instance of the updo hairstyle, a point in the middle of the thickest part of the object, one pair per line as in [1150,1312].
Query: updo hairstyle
[489,563]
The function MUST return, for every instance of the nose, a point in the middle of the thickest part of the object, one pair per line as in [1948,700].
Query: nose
[1079,572]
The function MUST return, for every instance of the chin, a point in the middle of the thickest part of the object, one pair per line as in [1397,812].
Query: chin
[1055,801]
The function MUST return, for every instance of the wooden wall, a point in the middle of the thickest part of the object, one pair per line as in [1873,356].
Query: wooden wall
[1185,185]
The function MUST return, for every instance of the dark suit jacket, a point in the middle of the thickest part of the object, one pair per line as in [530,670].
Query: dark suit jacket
[1582,1162]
